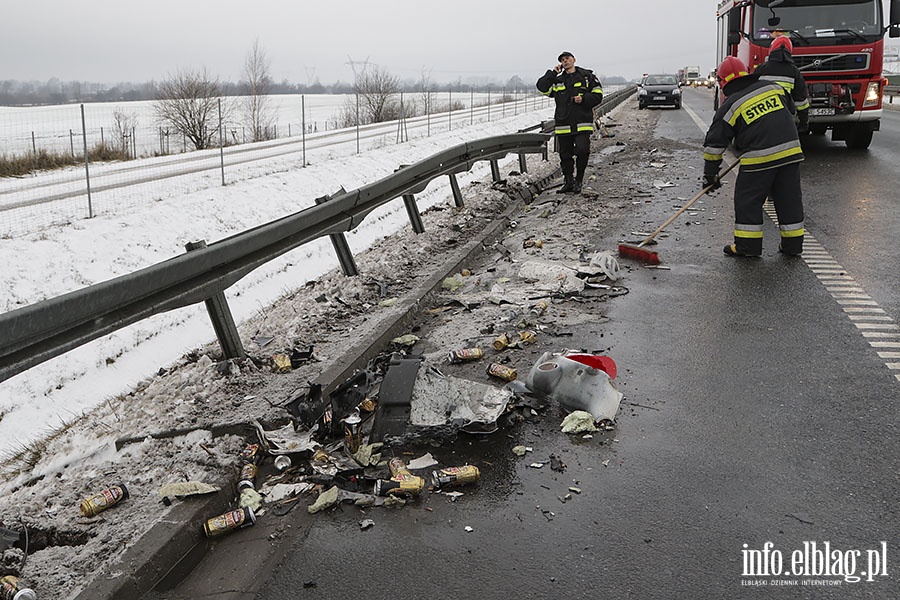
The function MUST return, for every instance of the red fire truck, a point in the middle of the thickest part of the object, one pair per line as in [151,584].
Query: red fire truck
[838,46]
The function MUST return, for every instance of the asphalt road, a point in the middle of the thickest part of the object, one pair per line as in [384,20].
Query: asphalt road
[757,410]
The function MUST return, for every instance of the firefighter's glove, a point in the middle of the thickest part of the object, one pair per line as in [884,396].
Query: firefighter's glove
[803,125]
[711,183]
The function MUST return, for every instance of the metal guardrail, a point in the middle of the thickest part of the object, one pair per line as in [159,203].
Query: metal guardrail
[38,332]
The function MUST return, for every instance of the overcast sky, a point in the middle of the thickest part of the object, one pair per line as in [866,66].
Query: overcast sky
[112,41]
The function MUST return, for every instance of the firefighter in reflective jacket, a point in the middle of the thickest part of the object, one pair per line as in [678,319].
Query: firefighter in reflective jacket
[780,68]
[576,92]
[757,117]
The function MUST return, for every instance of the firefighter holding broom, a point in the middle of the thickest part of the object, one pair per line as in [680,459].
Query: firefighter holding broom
[757,117]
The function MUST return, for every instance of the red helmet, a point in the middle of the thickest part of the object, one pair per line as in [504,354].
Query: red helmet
[730,69]
[782,41]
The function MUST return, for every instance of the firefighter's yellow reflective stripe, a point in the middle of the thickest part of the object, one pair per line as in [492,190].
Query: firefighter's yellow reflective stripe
[748,234]
[759,159]
[713,157]
[731,76]
[585,127]
[597,90]
[547,93]
[560,87]
[803,105]
[792,230]
[758,106]
[562,130]
[577,84]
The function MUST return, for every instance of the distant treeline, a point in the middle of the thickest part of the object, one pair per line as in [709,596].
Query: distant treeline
[54,91]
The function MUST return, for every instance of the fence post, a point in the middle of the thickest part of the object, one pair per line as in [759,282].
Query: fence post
[303,124]
[222,150]
[341,247]
[87,170]
[221,317]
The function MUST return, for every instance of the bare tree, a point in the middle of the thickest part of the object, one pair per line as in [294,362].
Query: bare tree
[376,89]
[189,103]
[124,125]
[258,114]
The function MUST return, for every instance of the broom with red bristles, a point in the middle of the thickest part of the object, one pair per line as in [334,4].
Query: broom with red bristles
[649,256]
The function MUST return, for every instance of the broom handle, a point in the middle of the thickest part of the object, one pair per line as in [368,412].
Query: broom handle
[686,206]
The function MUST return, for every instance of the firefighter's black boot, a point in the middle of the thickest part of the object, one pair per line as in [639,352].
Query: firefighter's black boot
[568,187]
[576,187]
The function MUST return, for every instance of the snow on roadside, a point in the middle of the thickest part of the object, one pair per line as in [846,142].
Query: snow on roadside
[62,259]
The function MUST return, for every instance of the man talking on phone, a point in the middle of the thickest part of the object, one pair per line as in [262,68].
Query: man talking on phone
[576,91]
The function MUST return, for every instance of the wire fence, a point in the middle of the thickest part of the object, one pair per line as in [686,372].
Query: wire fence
[104,147]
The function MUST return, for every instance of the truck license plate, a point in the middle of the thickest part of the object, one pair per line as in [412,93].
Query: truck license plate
[821,112]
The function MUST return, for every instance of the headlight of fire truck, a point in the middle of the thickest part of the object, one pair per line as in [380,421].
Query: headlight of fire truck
[873,95]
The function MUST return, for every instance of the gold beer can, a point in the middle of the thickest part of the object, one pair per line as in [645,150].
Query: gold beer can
[13,588]
[104,499]
[501,371]
[233,519]
[465,355]
[501,342]
[452,476]
[527,337]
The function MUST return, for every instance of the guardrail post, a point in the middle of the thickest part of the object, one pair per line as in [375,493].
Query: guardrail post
[412,209]
[523,166]
[495,170]
[341,247]
[221,317]
[457,195]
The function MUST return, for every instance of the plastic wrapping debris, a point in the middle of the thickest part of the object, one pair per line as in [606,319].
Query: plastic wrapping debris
[285,440]
[326,499]
[575,385]
[368,454]
[184,489]
[453,283]
[423,462]
[366,524]
[551,277]
[471,406]
[250,498]
[607,263]
[280,491]
[578,421]
[407,340]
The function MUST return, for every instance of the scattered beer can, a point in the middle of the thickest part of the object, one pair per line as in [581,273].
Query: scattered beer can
[353,432]
[527,337]
[540,308]
[412,486]
[226,522]
[453,476]
[13,588]
[104,499]
[503,372]
[247,476]
[501,342]
[281,363]
[251,453]
[465,355]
